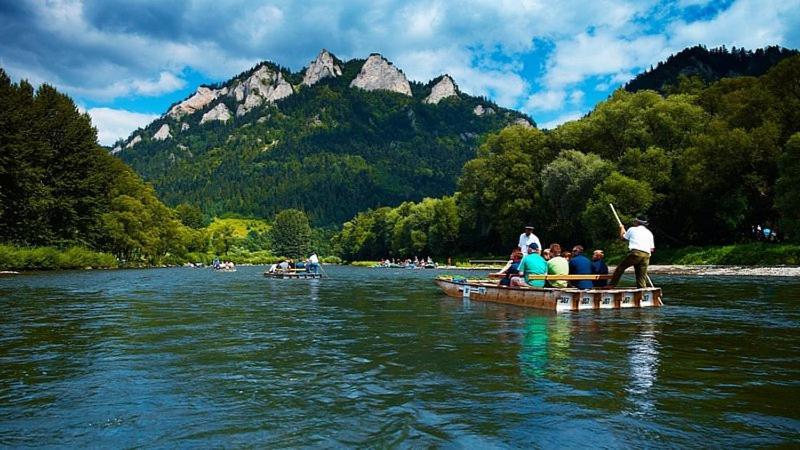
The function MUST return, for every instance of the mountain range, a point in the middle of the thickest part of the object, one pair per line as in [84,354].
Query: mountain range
[333,139]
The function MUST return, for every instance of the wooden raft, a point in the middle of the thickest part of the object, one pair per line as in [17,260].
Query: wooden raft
[292,275]
[553,299]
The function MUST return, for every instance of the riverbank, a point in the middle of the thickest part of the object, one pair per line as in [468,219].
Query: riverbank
[14,259]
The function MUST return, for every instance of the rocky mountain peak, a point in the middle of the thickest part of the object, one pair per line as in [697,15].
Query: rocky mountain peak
[162,133]
[219,112]
[322,67]
[202,97]
[446,87]
[379,74]
[263,85]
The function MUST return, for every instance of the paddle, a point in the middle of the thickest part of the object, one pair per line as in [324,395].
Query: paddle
[623,226]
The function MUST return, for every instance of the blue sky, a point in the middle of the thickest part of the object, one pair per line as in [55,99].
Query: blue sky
[126,62]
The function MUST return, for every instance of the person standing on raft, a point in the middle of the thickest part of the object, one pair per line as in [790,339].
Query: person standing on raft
[640,246]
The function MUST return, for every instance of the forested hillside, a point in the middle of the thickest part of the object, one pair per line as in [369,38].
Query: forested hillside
[59,188]
[320,145]
[708,66]
[707,165]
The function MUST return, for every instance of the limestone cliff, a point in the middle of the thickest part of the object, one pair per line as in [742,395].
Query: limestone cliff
[263,86]
[446,87]
[379,74]
[201,98]
[162,133]
[219,112]
[322,67]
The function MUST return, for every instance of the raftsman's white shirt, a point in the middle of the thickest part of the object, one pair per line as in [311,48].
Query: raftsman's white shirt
[640,238]
[525,240]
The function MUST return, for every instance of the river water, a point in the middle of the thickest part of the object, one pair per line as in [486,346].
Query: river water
[379,357]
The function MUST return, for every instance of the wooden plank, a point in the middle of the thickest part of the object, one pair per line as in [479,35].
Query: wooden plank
[560,277]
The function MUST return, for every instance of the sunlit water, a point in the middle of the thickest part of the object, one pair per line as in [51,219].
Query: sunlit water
[379,357]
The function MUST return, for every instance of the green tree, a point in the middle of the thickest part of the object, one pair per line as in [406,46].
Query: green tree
[567,183]
[500,190]
[223,239]
[788,188]
[629,196]
[291,234]
[190,215]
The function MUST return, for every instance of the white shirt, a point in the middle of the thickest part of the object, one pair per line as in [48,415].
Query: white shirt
[313,259]
[640,238]
[524,240]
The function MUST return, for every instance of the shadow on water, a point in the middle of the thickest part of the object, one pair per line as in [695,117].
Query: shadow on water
[380,357]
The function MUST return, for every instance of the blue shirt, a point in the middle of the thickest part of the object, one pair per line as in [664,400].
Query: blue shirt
[599,267]
[580,265]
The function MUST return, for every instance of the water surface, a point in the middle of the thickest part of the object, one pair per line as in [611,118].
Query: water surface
[379,357]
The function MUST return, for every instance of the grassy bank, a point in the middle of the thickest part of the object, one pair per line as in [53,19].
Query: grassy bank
[752,254]
[50,258]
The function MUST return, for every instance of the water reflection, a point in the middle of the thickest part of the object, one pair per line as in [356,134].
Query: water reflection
[544,349]
[643,362]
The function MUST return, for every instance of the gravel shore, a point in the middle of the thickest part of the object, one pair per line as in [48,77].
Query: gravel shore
[753,271]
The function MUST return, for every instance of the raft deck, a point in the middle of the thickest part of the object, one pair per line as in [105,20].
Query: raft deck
[553,299]
[292,275]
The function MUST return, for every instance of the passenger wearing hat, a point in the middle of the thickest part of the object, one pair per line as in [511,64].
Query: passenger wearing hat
[532,264]
[528,237]
[640,246]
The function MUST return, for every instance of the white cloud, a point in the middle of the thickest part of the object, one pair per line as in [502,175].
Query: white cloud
[546,101]
[166,82]
[572,115]
[576,97]
[600,54]
[747,23]
[113,124]
[110,49]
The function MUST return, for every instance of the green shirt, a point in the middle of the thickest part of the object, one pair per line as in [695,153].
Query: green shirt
[558,266]
[533,264]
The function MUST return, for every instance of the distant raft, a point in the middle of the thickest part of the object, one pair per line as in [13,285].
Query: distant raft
[553,299]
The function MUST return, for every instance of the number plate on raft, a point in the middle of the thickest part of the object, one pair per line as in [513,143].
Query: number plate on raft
[564,302]
[627,300]
[466,291]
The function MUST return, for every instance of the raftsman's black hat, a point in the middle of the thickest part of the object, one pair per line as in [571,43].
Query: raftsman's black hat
[641,218]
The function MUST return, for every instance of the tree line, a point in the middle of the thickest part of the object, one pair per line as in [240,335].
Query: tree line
[707,162]
[60,189]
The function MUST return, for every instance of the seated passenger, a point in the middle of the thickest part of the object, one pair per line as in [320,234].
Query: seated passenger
[557,265]
[511,268]
[532,264]
[599,267]
[580,265]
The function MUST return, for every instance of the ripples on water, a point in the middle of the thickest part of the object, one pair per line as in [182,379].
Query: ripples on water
[189,357]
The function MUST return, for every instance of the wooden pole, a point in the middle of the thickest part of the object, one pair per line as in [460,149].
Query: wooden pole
[615,214]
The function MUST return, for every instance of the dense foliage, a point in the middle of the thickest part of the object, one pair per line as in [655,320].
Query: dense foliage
[291,234]
[708,66]
[328,149]
[59,188]
[707,165]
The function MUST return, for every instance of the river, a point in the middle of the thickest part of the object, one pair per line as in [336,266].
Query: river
[379,357]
